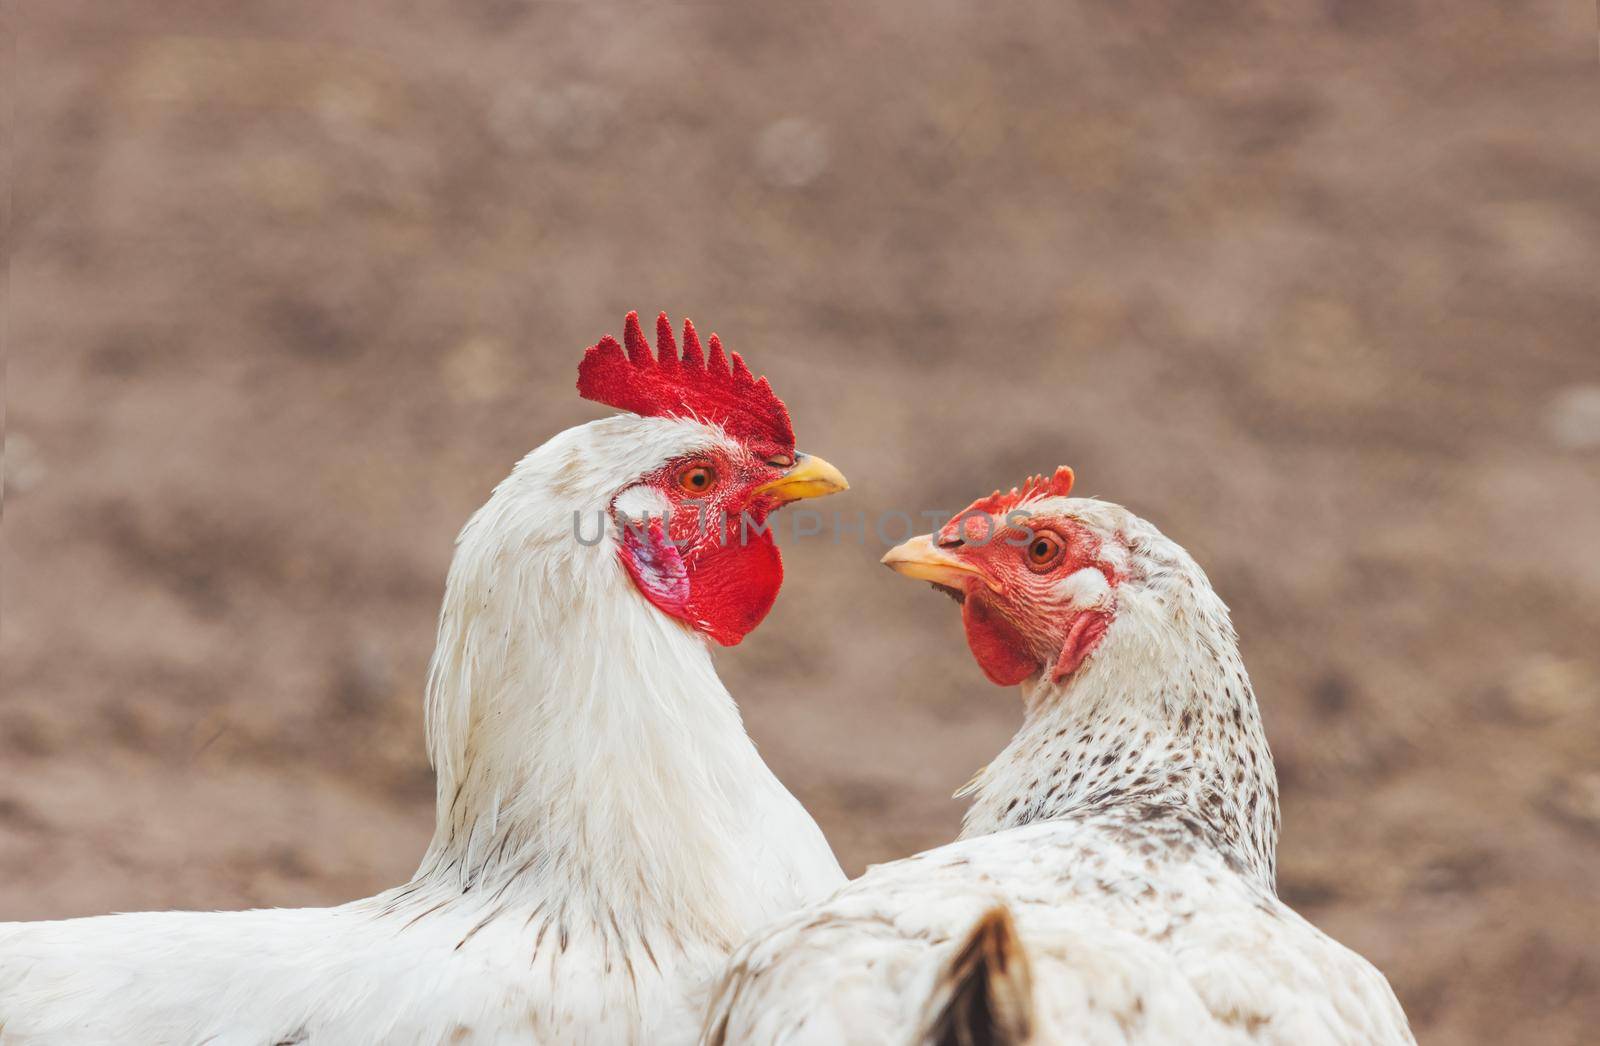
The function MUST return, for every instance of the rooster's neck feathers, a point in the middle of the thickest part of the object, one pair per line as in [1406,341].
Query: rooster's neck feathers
[588,757]
[1161,718]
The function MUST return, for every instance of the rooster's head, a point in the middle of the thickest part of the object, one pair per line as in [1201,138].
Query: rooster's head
[710,455]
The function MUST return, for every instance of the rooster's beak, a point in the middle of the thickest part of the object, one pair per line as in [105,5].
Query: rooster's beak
[811,477]
[920,558]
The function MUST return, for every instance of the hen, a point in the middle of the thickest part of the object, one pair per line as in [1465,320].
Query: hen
[1114,880]
[605,830]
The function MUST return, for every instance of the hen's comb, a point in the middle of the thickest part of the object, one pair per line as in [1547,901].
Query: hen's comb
[694,386]
[998,504]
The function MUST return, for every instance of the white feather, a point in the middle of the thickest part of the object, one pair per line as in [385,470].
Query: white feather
[605,831]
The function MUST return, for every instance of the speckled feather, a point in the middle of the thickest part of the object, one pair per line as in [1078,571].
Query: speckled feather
[1130,827]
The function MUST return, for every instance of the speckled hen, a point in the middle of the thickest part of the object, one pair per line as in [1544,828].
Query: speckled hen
[1114,880]
[605,830]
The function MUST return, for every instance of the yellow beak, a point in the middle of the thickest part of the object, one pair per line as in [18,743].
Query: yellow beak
[920,558]
[811,477]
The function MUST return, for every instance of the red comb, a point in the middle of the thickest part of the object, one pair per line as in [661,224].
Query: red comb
[695,386]
[998,504]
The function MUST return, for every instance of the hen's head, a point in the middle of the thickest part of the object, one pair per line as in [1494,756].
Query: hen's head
[1042,577]
[710,456]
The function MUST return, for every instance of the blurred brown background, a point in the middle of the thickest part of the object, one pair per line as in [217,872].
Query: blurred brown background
[1311,284]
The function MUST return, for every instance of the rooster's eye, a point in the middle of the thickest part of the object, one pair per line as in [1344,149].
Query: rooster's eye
[1044,550]
[698,479]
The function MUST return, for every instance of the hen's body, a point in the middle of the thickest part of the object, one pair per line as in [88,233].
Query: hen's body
[1129,829]
[1135,928]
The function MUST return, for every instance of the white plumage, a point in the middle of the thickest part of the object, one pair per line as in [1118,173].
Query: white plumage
[606,831]
[1129,831]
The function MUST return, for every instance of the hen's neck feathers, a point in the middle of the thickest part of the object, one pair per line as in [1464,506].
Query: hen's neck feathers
[1161,717]
[587,755]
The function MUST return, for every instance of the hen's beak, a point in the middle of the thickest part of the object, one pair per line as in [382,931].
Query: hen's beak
[920,558]
[811,477]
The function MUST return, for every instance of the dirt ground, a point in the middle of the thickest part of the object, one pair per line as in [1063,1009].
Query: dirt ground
[1311,284]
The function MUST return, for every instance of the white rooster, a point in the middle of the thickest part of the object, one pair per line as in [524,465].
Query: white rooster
[1114,881]
[606,832]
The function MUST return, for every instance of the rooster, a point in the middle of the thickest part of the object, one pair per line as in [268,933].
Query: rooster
[1114,879]
[605,831]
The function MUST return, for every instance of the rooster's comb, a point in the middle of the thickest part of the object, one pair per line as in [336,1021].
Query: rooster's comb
[999,504]
[696,385]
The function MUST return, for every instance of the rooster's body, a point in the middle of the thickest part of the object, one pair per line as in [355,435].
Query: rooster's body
[605,832]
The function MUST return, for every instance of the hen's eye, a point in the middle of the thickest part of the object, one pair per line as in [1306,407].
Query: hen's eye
[1044,550]
[782,461]
[697,479]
